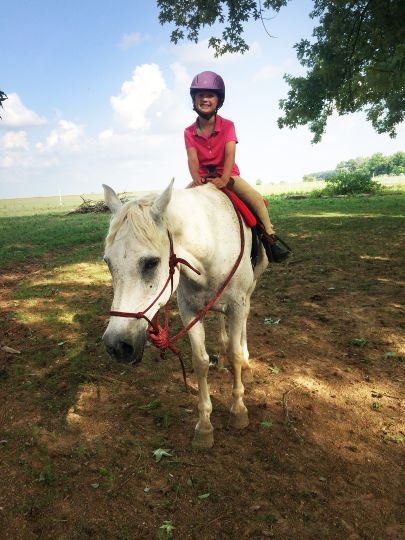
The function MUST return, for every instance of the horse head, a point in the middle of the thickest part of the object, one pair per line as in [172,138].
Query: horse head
[137,254]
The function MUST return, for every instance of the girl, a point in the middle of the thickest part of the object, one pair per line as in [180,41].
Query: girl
[211,147]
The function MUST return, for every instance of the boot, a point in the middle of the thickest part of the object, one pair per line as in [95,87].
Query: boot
[276,249]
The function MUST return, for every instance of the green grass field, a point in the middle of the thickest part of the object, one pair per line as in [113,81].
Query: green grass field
[30,228]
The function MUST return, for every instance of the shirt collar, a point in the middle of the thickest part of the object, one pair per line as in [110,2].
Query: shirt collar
[217,128]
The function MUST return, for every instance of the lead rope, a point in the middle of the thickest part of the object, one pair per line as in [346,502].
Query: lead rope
[159,335]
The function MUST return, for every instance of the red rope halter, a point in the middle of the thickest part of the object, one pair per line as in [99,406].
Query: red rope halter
[159,335]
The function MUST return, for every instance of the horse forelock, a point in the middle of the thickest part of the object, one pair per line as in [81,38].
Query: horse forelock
[137,215]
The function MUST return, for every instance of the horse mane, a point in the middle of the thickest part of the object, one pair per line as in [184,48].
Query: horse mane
[137,215]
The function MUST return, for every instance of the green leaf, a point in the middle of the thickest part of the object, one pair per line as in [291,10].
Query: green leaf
[204,496]
[155,404]
[275,369]
[270,320]
[161,452]
[267,424]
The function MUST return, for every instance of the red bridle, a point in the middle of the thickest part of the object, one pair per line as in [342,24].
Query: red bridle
[159,335]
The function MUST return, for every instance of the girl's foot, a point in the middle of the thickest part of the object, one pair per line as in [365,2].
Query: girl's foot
[276,250]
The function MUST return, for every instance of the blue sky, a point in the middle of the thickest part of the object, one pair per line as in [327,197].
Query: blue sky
[98,94]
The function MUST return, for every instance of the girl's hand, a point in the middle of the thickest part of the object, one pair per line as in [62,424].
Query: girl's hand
[198,182]
[220,182]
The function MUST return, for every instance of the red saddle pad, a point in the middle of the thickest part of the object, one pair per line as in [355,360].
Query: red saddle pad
[247,214]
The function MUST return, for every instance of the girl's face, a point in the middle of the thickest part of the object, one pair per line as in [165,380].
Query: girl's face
[206,102]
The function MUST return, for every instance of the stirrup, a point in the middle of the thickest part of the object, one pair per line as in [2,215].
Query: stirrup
[275,253]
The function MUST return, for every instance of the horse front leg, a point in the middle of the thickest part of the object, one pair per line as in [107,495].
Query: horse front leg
[247,372]
[204,432]
[239,413]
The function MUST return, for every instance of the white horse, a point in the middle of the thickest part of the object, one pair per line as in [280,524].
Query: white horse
[205,231]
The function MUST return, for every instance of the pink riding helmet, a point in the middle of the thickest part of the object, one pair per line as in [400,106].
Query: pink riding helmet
[208,80]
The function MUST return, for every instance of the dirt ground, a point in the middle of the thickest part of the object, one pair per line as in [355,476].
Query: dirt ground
[322,456]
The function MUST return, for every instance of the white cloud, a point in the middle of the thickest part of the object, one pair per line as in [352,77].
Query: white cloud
[16,114]
[137,95]
[105,135]
[7,162]
[15,140]
[267,72]
[130,40]
[67,136]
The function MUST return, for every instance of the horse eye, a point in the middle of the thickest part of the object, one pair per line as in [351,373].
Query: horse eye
[150,264]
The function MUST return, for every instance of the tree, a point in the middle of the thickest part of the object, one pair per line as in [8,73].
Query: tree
[356,61]
[3,97]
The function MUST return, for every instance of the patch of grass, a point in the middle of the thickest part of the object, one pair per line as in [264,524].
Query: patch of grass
[41,234]
[394,356]
[396,438]
[359,342]
[108,478]
[47,476]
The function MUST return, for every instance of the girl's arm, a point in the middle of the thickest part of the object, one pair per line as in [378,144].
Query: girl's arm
[230,151]
[194,166]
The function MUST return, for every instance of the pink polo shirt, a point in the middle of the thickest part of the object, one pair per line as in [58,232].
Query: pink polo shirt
[211,150]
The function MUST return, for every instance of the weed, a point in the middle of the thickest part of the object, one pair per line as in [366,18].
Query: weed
[165,531]
[359,342]
[47,476]
[164,420]
[376,406]
[398,439]
[35,433]
[155,404]
[275,369]
[161,452]
[271,321]
[266,424]
[108,476]
[394,356]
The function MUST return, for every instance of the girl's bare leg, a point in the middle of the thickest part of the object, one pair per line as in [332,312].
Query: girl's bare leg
[254,200]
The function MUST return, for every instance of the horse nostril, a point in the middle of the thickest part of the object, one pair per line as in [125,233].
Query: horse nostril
[126,349]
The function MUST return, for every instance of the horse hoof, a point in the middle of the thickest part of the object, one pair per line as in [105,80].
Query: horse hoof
[203,439]
[239,421]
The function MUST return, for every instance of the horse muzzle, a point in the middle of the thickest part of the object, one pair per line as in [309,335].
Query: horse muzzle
[129,350]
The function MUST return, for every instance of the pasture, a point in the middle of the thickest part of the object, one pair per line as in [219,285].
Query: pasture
[90,448]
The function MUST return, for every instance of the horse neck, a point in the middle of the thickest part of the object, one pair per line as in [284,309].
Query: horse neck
[191,218]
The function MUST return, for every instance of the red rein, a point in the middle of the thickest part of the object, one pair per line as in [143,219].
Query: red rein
[159,335]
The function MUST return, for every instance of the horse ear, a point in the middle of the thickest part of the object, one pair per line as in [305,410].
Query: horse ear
[161,202]
[111,199]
